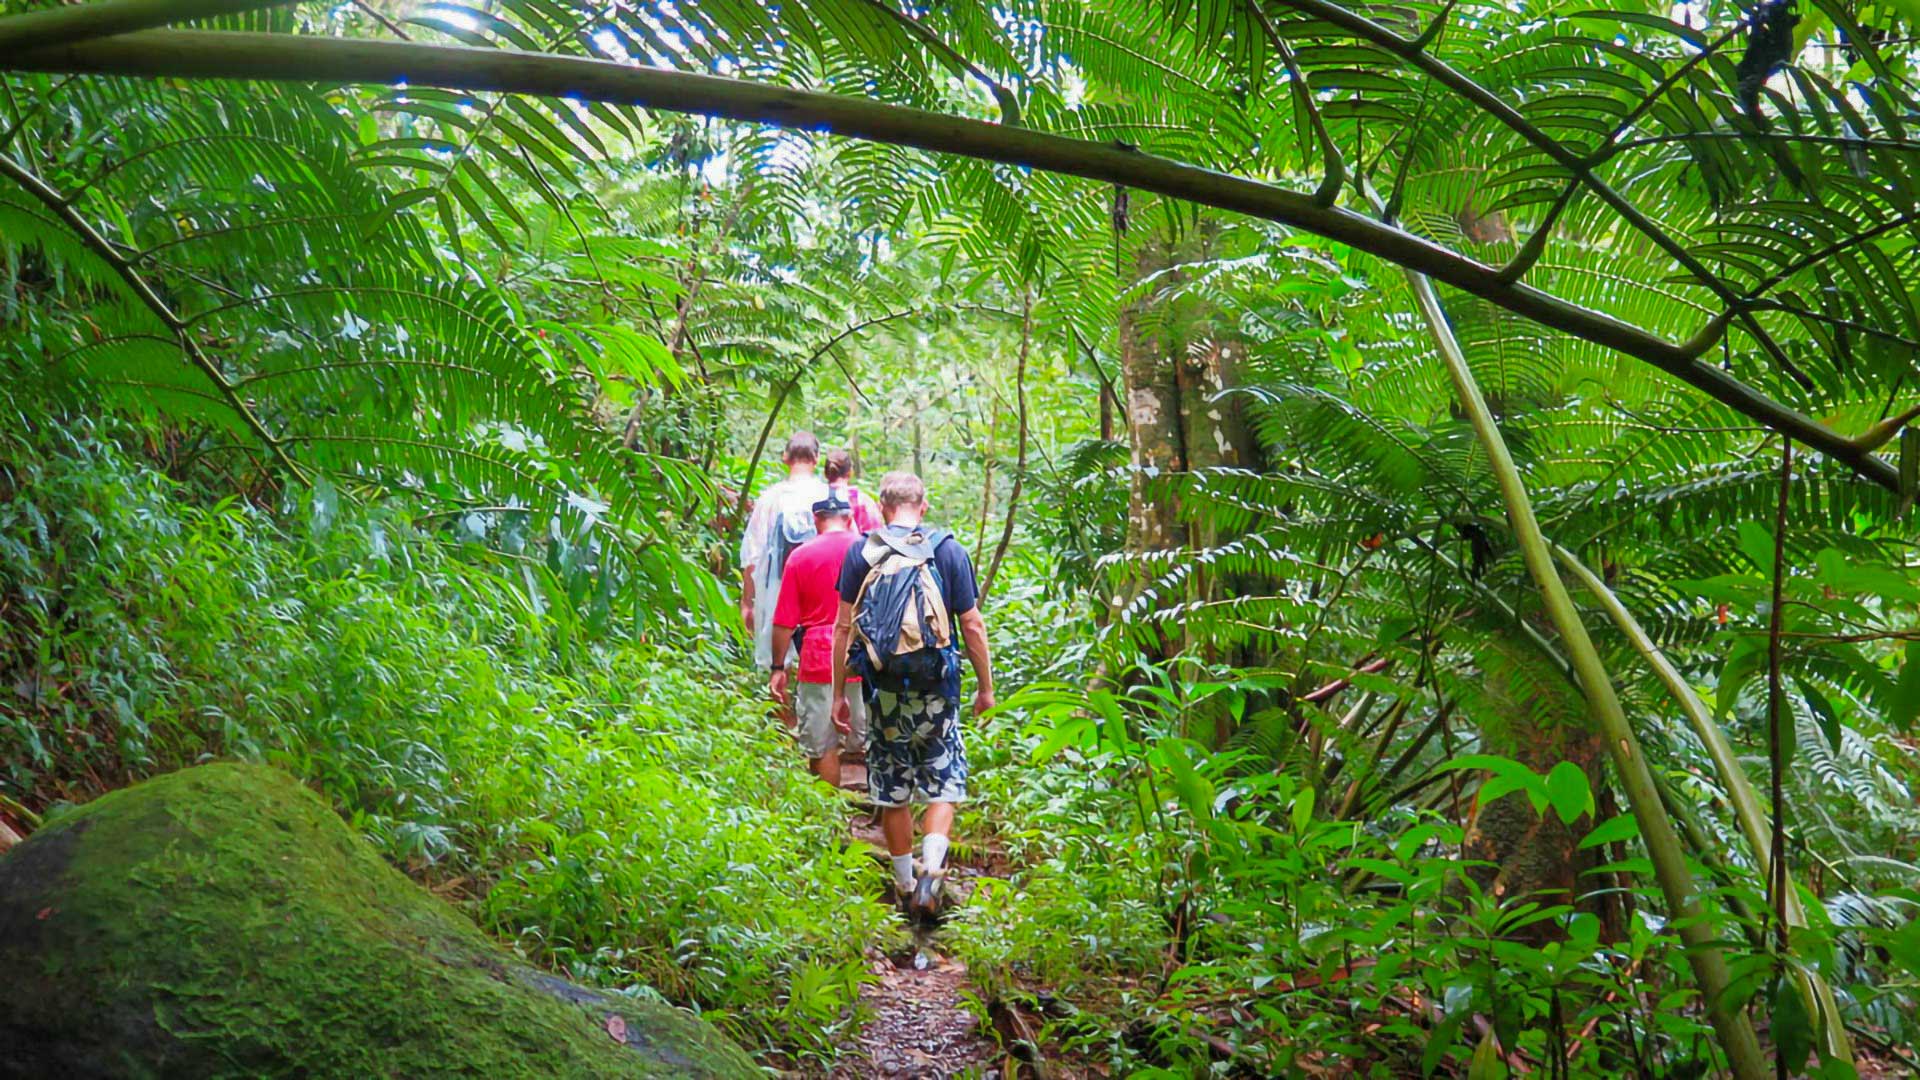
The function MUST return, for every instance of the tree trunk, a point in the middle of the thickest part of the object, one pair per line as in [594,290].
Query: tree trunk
[1531,714]
[1176,358]
[1153,415]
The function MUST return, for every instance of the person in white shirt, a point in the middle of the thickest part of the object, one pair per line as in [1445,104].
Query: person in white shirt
[782,520]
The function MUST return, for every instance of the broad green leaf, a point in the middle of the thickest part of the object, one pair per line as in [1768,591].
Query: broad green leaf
[1747,658]
[1822,709]
[1906,692]
[1853,578]
[1756,543]
[1568,791]
[1487,1063]
[1302,809]
[1613,830]
[1792,1028]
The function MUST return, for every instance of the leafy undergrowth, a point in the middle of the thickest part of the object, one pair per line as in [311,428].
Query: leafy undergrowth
[1175,911]
[615,803]
[1174,914]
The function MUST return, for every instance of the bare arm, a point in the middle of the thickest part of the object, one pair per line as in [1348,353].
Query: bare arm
[777,679]
[973,629]
[746,597]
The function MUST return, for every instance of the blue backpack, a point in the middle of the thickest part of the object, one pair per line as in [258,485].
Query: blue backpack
[791,529]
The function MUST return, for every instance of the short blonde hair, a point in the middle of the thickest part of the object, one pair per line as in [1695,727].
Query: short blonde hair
[898,489]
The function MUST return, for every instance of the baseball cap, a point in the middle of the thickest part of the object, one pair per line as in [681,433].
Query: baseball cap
[832,504]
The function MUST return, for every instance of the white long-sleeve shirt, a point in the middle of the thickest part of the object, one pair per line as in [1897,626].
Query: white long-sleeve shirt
[794,496]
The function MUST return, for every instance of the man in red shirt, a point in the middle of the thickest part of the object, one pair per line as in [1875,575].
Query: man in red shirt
[809,602]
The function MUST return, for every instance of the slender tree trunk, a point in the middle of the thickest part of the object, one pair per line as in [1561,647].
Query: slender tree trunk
[1020,452]
[760,447]
[986,494]
[1107,409]
[1539,720]
[919,465]
[853,426]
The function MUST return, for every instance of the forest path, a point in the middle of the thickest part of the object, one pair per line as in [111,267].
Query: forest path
[920,1025]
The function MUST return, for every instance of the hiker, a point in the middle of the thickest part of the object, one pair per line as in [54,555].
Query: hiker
[905,590]
[839,472]
[809,601]
[782,520]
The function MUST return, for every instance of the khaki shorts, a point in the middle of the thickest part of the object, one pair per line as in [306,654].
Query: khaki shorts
[813,706]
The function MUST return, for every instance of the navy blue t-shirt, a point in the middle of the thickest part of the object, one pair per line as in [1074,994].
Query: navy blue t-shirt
[957,585]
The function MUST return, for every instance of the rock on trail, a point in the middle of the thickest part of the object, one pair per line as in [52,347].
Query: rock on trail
[223,921]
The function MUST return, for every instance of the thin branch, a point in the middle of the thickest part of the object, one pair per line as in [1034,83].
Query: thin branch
[1854,325]
[1778,717]
[394,28]
[1821,255]
[1009,105]
[1849,142]
[1336,177]
[282,57]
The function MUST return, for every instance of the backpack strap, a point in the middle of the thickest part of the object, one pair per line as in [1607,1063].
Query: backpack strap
[883,541]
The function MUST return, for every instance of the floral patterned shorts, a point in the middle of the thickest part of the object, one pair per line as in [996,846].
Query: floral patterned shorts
[914,752]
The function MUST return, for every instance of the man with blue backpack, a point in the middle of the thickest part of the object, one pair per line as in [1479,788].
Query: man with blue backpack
[908,600]
[782,520]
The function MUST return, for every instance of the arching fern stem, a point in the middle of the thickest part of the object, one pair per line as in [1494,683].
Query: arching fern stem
[1636,778]
[1747,811]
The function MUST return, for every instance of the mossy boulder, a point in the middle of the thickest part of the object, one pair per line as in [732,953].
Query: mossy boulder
[222,921]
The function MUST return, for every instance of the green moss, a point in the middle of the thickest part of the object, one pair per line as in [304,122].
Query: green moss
[222,921]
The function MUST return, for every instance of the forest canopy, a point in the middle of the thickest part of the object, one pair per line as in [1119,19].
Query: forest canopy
[1439,477]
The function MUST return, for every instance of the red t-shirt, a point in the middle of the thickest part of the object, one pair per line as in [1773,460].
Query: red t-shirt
[810,598]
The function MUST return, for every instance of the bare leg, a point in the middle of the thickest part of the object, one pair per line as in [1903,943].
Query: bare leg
[938,820]
[827,767]
[897,823]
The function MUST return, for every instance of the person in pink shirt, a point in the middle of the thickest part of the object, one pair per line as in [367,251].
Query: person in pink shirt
[839,474]
[808,603]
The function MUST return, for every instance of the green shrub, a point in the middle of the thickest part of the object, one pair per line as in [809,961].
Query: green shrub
[620,807]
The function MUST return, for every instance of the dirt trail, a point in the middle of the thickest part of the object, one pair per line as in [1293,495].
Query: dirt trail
[920,1025]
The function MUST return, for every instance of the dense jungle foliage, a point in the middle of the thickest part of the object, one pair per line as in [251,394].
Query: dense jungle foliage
[1439,476]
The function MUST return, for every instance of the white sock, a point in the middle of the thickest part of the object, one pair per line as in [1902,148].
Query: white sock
[933,852]
[903,871]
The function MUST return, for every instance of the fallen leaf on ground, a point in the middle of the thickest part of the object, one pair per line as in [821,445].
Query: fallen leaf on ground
[617,1027]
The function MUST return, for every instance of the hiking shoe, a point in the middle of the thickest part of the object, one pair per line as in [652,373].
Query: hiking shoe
[928,890]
